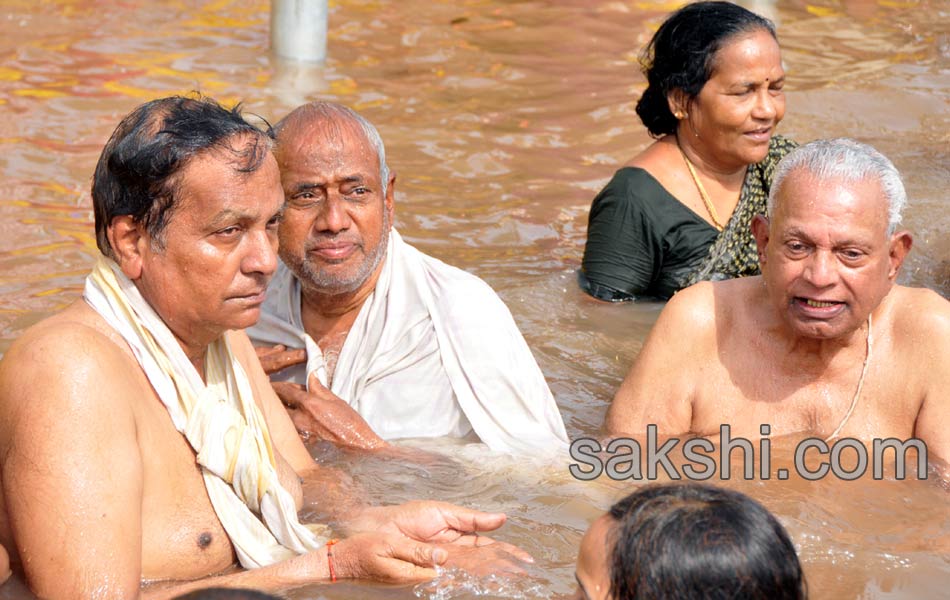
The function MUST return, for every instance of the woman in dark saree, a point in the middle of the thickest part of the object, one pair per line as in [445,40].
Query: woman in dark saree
[680,211]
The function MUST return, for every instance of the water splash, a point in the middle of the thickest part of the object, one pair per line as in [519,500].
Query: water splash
[455,583]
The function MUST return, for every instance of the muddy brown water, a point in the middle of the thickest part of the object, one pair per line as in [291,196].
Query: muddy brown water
[502,120]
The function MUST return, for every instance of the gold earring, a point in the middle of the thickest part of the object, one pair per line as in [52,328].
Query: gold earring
[680,115]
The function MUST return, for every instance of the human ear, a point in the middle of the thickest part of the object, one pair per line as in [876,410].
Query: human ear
[390,200]
[678,102]
[129,242]
[760,231]
[900,245]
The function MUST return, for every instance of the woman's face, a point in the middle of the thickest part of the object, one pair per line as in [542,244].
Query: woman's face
[593,571]
[731,121]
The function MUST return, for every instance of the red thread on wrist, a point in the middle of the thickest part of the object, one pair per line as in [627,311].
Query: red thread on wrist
[330,559]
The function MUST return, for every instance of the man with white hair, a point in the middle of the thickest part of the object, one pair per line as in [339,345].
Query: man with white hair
[824,342]
[398,343]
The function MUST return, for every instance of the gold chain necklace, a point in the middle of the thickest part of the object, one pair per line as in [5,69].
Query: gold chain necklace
[710,208]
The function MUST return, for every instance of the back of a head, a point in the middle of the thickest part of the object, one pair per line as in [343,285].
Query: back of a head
[217,593]
[137,173]
[681,54]
[698,542]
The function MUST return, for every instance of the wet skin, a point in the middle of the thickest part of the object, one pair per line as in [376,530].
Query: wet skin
[787,349]
[125,500]
[592,571]
[730,122]
[725,128]
[333,237]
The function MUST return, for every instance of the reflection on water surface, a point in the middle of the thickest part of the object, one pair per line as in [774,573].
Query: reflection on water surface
[502,120]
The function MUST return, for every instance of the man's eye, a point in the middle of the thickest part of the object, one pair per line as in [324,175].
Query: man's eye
[229,231]
[852,254]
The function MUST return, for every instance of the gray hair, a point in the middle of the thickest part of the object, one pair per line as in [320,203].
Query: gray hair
[849,160]
[331,111]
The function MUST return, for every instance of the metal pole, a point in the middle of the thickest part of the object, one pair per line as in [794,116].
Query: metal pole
[298,29]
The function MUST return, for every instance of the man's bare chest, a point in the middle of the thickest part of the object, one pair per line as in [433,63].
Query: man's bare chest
[855,402]
[182,537]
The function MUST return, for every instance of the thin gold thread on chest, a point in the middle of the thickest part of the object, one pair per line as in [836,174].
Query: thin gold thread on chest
[857,392]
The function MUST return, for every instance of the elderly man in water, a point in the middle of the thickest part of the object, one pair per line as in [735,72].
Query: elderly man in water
[397,343]
[824,342]
[139,437]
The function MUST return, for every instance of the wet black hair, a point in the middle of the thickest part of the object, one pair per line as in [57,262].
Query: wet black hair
[217,593]
[682,52]
[694,541]
[138,170]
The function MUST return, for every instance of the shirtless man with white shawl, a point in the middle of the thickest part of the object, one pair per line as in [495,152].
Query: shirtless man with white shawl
[139,437]
[416,347]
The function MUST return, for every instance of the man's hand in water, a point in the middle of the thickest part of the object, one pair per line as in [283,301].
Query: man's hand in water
[277,358]
[385,557]
[454,528]
[319,412]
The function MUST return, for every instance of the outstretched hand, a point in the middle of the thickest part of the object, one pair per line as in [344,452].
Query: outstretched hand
[387,557]
[426,521]
[454,528]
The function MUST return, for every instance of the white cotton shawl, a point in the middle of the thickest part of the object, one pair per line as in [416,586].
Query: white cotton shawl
[219,419]
[493,375]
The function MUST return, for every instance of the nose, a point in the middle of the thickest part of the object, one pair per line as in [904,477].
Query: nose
[820,269]
[333,216]
[261,256]
[765,108]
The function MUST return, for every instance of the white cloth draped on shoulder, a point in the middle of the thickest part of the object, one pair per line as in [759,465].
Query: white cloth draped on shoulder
[433,351]
[220,420]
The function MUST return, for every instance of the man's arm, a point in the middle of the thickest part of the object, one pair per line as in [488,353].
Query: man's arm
[933,342]
[317,411]
[332,490]
[403,525]
[72,472]
[660,386]
[73,483]
[283,433]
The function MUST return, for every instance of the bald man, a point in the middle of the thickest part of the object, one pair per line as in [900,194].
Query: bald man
[398,344]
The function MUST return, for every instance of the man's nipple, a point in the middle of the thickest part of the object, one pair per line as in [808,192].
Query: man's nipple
[204,540]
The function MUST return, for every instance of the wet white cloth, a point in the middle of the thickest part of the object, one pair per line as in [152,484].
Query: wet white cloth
[433,351]
[219,419]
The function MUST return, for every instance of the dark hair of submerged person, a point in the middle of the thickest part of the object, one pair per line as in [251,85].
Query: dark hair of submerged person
[694,541]
[217,593]
[682,53]
[137,172]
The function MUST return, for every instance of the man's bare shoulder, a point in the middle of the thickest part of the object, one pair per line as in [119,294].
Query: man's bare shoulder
[68,334]
[63,363]
[920,315]
[706,305]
